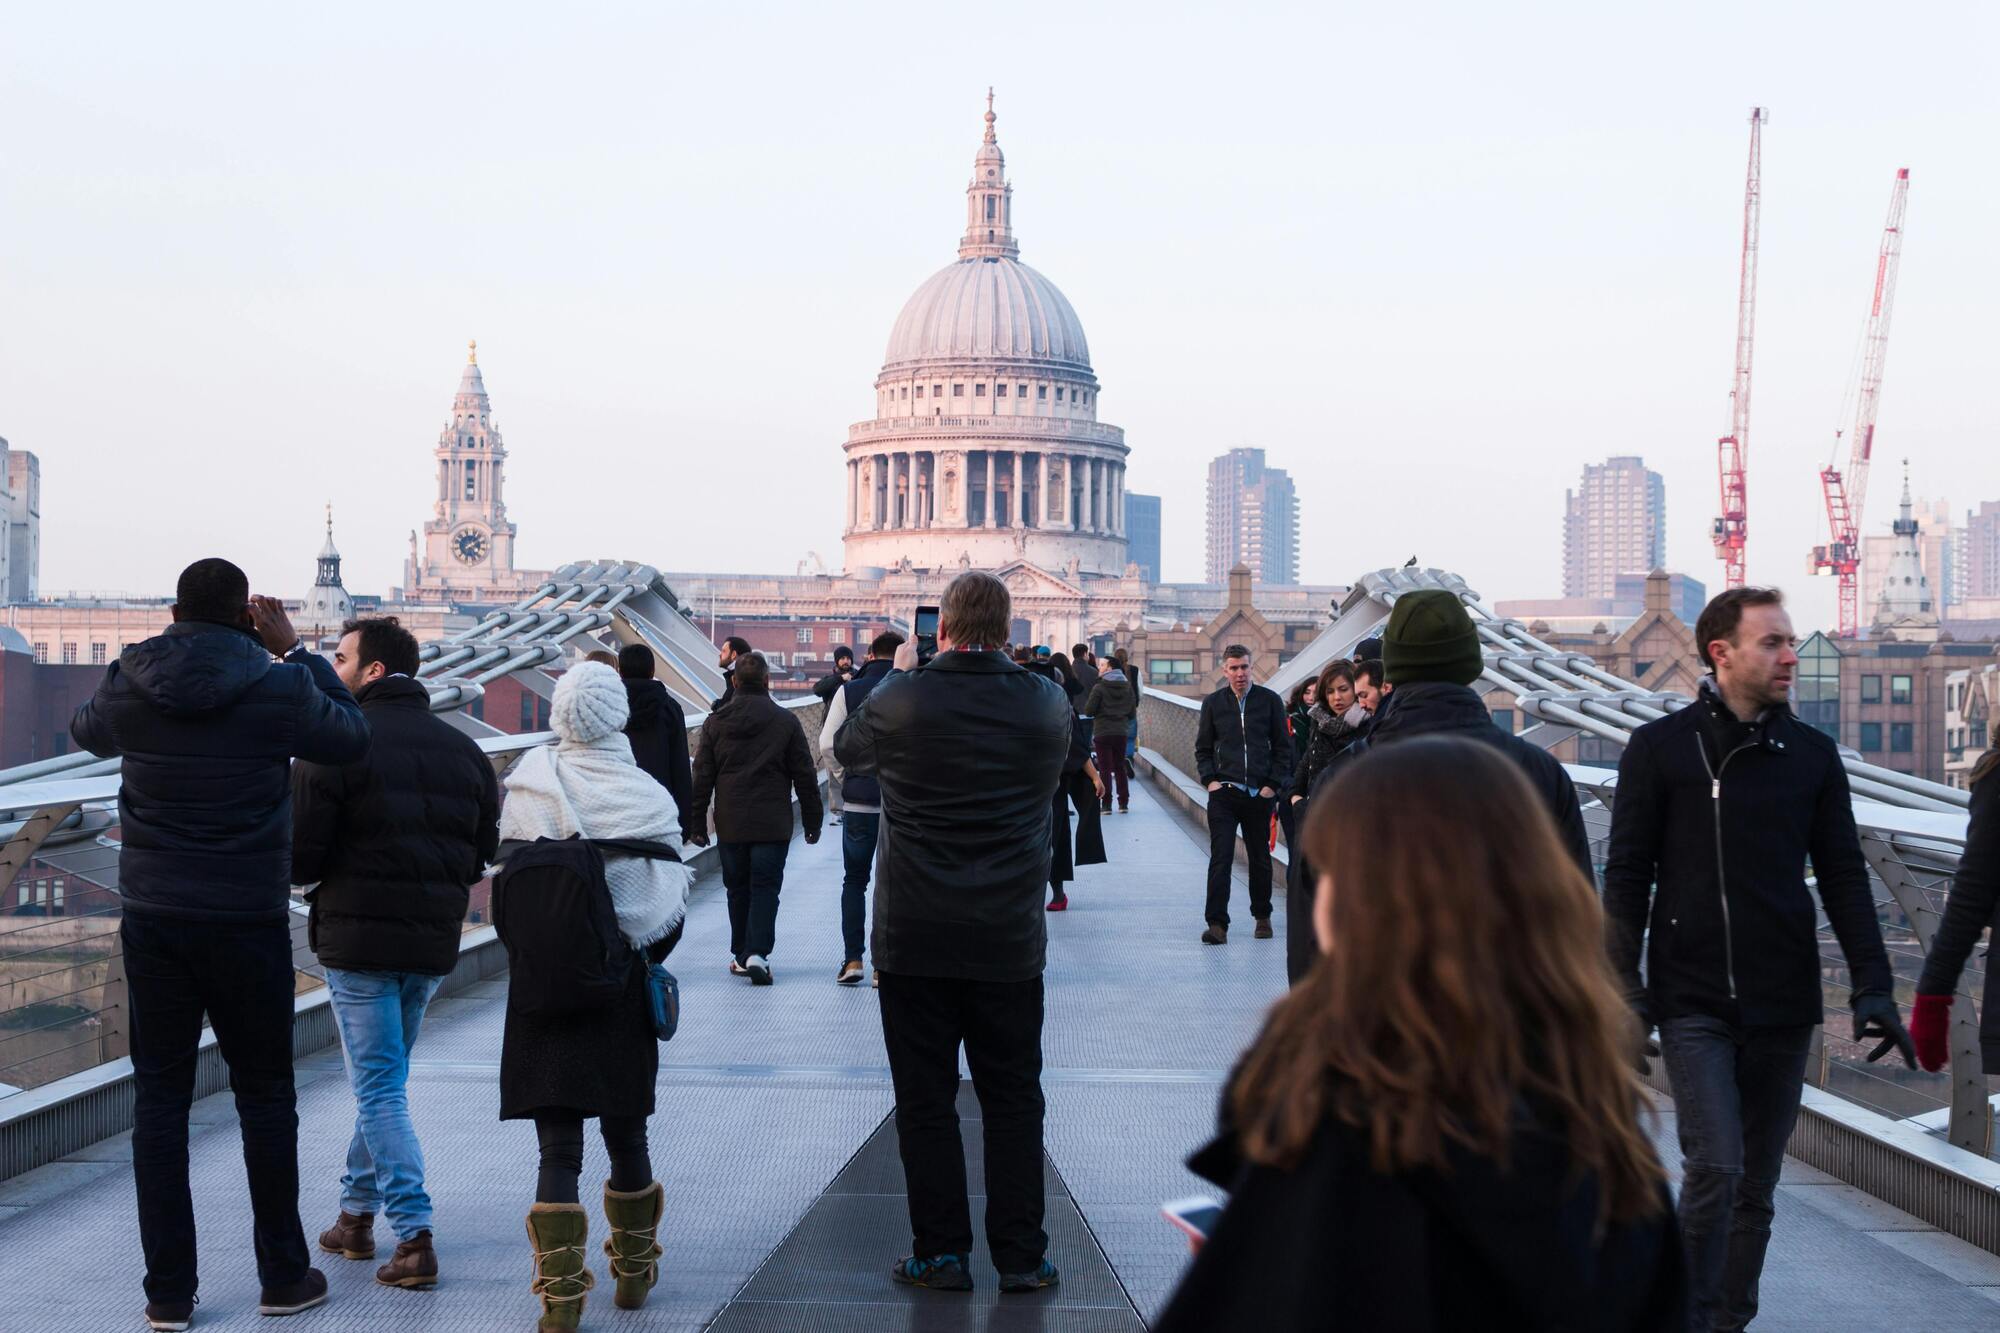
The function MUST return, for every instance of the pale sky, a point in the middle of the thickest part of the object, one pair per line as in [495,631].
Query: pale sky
[1433,258]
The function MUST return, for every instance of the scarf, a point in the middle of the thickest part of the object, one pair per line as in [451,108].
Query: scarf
[595,790]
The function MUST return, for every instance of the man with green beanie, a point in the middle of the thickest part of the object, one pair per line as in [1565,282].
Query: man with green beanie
[1430,656]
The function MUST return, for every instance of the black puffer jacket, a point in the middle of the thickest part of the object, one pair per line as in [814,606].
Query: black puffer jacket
[1244,742]
[395,840]
[658,732]
[753,757]
[968,751]
[1974,904]
[208,725]
[1769,797]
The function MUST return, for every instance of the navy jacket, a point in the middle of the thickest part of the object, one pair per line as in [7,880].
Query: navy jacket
[207,724]
[862,789]
[659,736]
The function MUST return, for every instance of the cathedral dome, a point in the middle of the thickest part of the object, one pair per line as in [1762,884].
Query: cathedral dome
[989,308]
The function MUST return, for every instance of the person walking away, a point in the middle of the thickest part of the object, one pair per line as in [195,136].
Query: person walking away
[968,751]
[1111,707]
[751,762]
[826,687]
[657,728]
[1087,849]
[1083,664]
[733,649]
[1134,678]
[1972,905]
[1440,1128]
[393,843]
[861,795]
[1243,756]
[600,1063]
[1332,724]
[1067,678]
[1721,806]
[207,724]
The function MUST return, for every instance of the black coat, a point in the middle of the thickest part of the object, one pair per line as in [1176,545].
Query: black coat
[1326,735]
[1245,743]
[829,685]
[394,840]
[753,757]
[1335,1244]
[1769,797]
[604,1062]
[658,732]
[861,788]
[1974,904]
[208,725]
[968,751]
[1112,708]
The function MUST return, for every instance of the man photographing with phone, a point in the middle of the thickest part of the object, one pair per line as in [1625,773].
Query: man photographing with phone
[968,751]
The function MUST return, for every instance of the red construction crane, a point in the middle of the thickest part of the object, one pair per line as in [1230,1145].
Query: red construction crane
[1732,529]
[1847,493]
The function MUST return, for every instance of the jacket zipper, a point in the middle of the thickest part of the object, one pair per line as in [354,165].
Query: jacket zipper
[1721,874]
[1243,726]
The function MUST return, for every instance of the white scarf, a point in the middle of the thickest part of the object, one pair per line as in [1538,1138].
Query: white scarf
[595,790]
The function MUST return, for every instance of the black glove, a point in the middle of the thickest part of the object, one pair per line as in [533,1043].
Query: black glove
[1875,1016]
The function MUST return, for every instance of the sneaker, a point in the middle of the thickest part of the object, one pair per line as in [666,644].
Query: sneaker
[757,970]
[170,1316]
[351,1236]
[836,818]
[1045,1276]
[875,981]
[1217,933]
[1124,809]
[850,973]
[1059,904]
[293,1297]
[413,1265]
[736,969]
[1263,931]
[946,1272]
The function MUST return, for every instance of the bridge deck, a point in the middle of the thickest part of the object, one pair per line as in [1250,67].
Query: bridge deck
[782,1185]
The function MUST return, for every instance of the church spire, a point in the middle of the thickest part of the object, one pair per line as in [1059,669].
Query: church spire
[989,201]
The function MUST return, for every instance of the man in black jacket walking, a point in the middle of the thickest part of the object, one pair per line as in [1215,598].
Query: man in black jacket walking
[1722,804]
[753,757]
[861,801]
[207,724]
[657,729]
[968,751]
[1243,752]
[392,842]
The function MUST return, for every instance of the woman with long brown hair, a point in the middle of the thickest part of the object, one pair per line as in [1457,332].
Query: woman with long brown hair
[1440,1126]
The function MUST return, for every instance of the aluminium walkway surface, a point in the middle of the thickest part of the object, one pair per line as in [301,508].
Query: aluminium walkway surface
[783,1205]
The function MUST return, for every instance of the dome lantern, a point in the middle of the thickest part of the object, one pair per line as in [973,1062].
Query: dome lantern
[989,201]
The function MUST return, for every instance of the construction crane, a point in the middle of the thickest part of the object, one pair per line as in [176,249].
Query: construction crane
[1847,493]
[1732,528]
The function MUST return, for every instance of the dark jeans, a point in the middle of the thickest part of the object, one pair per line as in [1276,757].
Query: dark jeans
[560,1137]
[1736,1094]
[1000,1022]
[241,977]
[753,873]
[859,833]
[1230,810]
[1110,754]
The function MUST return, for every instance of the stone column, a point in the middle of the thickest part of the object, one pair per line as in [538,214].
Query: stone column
[1118,499]
[991,512]
[1090,495]
[1041,490]
[927,480]
[1014,498]
[850,495]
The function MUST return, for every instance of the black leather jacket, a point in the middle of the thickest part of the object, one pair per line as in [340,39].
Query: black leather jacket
[1243,742]
[968,751]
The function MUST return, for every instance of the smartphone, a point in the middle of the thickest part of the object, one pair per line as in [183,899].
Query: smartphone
[1196,1216]
[924,625]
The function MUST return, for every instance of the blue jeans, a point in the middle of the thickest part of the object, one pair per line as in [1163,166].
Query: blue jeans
[379,1014]
[858,835]
[1736,1096]
[752,875]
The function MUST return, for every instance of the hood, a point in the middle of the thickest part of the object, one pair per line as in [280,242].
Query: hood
[1112,674]
[195,667]
[395,691]
[1426,706]
[646,699]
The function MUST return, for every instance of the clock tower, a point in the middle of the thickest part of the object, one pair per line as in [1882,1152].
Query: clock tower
[467,550]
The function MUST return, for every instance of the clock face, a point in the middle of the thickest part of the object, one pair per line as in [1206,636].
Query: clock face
[468,545]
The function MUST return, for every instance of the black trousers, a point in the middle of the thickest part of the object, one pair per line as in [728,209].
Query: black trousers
[753,873]
[241,977]
[1231,811]
[560,1136]
[924,1019]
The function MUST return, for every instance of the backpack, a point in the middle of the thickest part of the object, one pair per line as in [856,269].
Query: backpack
[553,912]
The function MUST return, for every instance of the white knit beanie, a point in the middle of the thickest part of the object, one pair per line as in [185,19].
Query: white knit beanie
[589,704]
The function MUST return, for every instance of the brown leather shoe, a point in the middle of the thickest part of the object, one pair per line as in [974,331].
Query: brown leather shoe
[1263,931]
[413,1265]
[351,1237]
[1217,933]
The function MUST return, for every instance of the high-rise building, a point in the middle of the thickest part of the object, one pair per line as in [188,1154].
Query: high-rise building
[1253,519]
[1982,550]
[1616,523]
[1142,534]
[21,512]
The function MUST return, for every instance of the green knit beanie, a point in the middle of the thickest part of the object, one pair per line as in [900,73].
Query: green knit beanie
[1430,637]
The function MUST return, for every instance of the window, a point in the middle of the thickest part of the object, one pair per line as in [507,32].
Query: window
[979,391]
[42,653]
[777,660]
[958,391]
[1871,736]
[920,391]
[989,204]
[1503,718]
[1871,689]
[906,391]
[1020,391]
[69,654]
[527,711]
[471,480]
[999,391]
[838,634]
[1902,737]
[1899,689]
[806,634]
[1059,393]
[1170,670]
[98,652]
[937,390]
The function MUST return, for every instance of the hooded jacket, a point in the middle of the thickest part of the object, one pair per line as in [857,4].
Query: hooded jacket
[395,840]
[207,725]
[753,757]
[1724,817]
[659,735]
[1111,705]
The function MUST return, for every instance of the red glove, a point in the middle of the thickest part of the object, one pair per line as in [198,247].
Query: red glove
[1930,1020]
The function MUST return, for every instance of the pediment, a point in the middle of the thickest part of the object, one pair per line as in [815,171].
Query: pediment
[1024,579]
